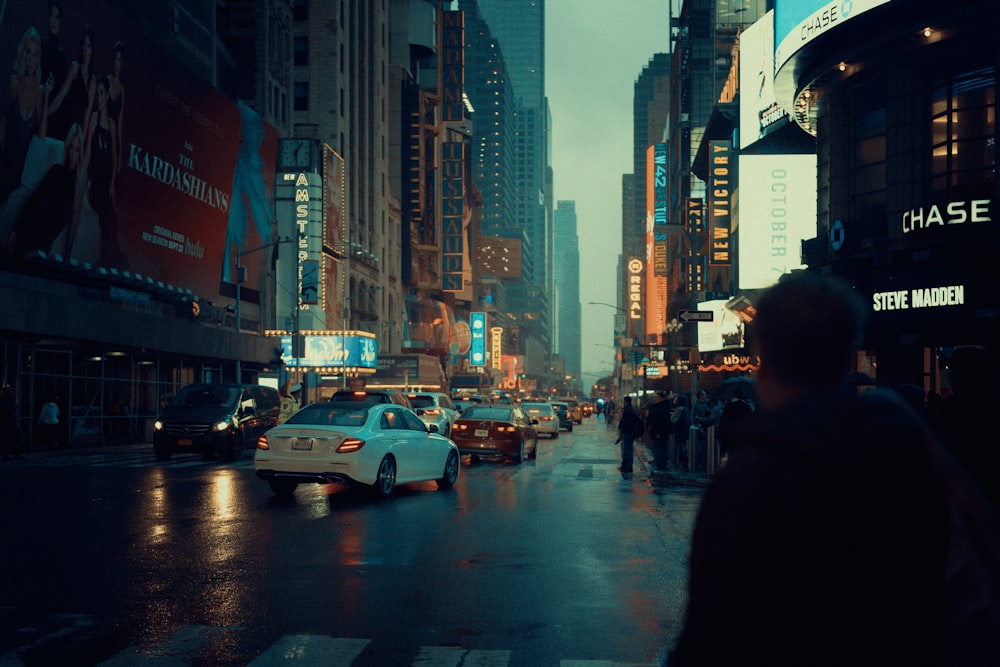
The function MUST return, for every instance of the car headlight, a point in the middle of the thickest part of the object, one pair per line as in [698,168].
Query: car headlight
[157,425]
[221,426]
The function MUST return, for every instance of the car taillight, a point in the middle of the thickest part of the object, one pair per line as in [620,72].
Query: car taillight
[432,411]
[262,443]
[547,419]
[350,445]
[507,429]
[461,427]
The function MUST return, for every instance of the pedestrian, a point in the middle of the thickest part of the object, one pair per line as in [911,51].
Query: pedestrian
[963,417]
[658,429]
[10,436]
[291,395]
[630,427]
[824,540]
[49,433]
[680,418]
[735,410]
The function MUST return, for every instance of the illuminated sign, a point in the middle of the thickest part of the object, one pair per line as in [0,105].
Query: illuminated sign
[777,211]
[477,346]
[696,225]
[919,297]
[798,22]
[720,189]
[952,213]
[496,360]
[656,204]
[352,350]
[635,270]
[759,109]
[452,207]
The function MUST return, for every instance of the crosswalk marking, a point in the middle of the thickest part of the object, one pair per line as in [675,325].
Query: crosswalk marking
[186,643]
[307,650]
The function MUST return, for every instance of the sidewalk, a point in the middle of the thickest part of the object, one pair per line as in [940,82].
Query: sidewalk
[644,455]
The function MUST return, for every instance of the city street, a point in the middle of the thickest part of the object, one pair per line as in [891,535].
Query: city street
[113,558]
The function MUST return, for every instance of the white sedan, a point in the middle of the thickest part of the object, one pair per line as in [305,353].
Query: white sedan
[353,444]
[546,417]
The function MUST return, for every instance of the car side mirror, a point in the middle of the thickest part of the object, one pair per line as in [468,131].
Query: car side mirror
[433,428]
[419,411]
[534,421]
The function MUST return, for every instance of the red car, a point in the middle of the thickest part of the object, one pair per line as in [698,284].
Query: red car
[495,431]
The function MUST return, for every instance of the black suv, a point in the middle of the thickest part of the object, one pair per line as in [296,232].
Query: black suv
[215,419]
[372,396]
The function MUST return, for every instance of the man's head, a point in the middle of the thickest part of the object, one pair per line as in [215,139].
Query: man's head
[628,400]
[662,395]
[805,329]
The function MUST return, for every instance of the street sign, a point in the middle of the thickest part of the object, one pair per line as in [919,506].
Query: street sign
[695,315]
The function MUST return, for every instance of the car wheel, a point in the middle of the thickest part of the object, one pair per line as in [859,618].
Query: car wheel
[534,449]
[450,472]
[569,429]
[555,435]
[162,453]
[385,481]
[517,458]
[282,487]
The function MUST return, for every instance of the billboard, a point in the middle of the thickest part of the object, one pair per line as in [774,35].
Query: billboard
[477,344]
[168,184]
[777,211]
[724,332]
[332,351]
[759,109]
[798,22]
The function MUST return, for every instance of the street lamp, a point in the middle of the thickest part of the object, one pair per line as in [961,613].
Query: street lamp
[240,277]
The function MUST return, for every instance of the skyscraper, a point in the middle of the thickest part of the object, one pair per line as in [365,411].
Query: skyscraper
[566,298]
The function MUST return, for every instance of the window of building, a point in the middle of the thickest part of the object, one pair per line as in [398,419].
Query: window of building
[300,10]
[301,50]
[868,160]
[301,101]
[963,130]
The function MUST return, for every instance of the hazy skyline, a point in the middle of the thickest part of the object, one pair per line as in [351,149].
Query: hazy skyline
[594,52]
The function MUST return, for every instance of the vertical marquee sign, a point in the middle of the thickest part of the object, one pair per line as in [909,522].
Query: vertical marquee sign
[477,347]
[656,198]
[720,190]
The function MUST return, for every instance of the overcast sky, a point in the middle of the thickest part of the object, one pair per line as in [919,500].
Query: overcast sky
[595,51]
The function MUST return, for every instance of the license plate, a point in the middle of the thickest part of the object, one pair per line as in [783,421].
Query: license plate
[302,444]
[482,433]
[184,442]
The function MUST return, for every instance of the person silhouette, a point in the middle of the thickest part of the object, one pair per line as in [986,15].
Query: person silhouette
[824,540]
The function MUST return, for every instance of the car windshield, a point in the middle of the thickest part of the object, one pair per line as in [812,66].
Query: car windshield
[421,401]
[206,397]
[328,414]
[487,412]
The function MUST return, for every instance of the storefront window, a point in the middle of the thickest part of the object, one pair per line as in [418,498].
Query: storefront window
[963,131]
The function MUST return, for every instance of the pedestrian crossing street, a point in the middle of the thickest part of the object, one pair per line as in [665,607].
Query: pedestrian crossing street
[68,635]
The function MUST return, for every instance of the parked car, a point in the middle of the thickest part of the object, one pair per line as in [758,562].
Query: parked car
[495,431]
[351,443]
[545,415]
[215,419]
[434,408]
[562,412]
[372,396]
